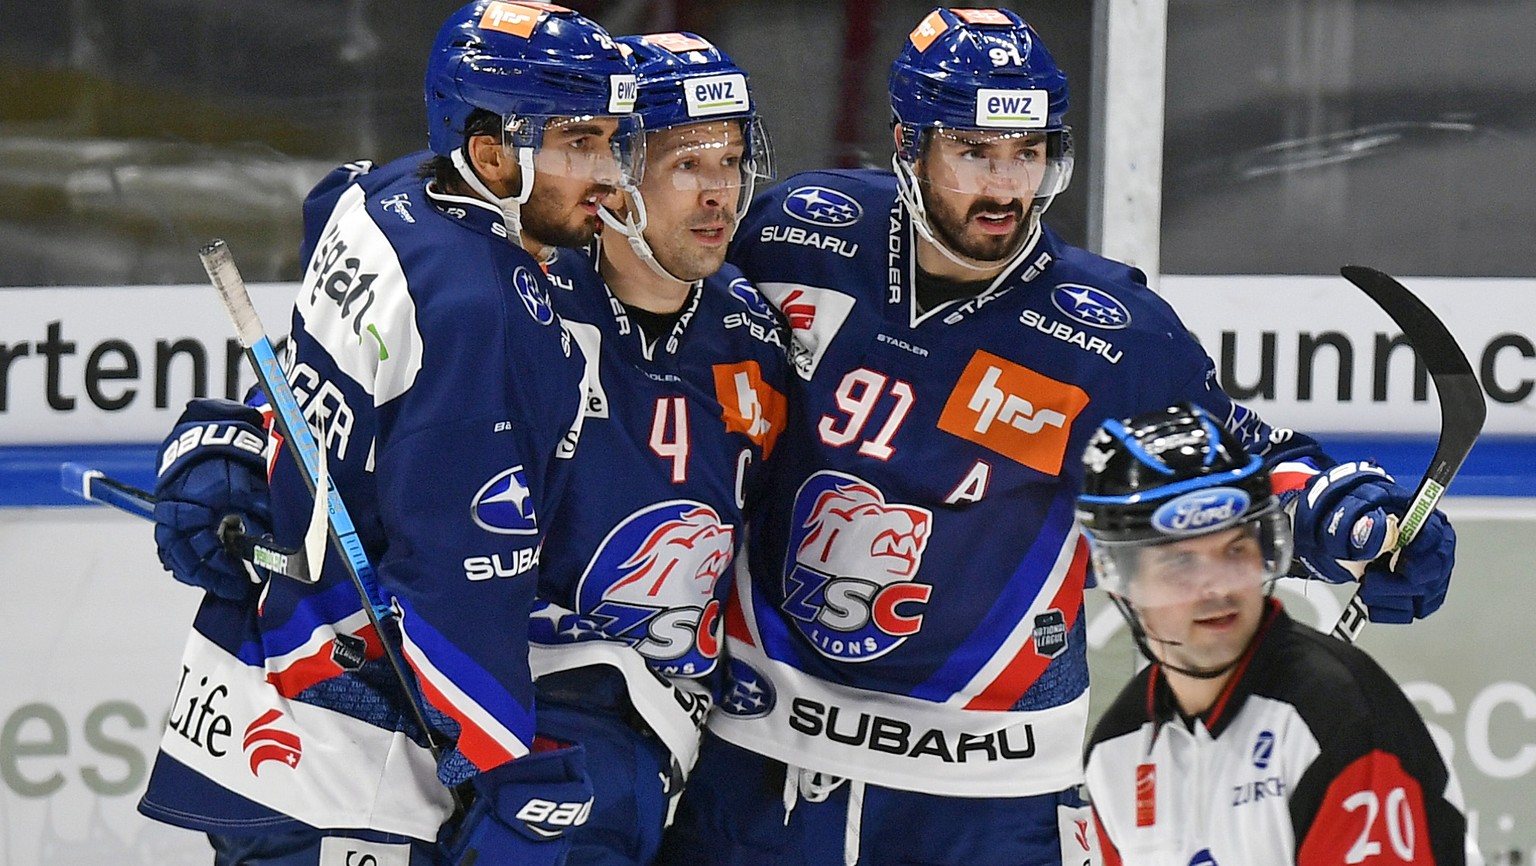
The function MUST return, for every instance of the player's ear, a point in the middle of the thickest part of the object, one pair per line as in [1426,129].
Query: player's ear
[492,162]
[896,131]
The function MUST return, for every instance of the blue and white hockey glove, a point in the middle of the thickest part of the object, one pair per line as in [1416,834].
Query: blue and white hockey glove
[212,467]
[523,810]
[1342,514]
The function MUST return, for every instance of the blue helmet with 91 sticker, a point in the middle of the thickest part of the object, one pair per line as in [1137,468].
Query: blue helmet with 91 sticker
[979,70]
[975,69]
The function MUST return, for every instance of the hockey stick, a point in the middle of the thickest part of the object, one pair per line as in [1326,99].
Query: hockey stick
[220,265]
[95,486]
[1462,410]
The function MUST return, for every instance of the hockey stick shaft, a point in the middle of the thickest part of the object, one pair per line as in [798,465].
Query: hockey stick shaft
[1462,411]
[220,265]
[96,486]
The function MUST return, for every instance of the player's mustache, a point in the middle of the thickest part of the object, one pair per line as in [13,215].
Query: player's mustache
[1014,207]
[711,219]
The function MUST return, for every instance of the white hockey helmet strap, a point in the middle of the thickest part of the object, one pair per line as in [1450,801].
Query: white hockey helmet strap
[511,206]
[909,190]
[632,227]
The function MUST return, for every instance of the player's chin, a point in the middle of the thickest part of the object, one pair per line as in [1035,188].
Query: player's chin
[992,248]
[697,263]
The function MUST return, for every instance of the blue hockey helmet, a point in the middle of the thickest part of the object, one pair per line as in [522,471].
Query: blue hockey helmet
[964,71]
[975,69]
[521,60]
[1167,476]
[685,80]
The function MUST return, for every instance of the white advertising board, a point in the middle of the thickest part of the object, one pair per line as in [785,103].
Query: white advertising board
[1314,353]
[117,364]
[91,633]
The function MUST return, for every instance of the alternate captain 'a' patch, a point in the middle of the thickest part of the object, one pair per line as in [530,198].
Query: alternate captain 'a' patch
[1008,408]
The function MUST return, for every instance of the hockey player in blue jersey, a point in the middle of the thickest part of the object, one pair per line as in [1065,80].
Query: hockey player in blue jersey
[907,680]
[446,397]
[684,402]
[686,368]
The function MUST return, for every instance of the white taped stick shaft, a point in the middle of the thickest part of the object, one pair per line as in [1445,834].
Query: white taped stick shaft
[220,265]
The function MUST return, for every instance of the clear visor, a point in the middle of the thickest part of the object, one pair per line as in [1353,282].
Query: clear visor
[724,157]
[993,164]
[602,149]
[1185,570]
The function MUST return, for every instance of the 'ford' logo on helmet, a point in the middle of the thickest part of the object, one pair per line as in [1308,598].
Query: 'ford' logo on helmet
[1086,305]
[821,206]
[1200,511]
[505,505]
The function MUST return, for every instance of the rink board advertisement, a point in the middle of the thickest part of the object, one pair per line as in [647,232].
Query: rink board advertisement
[93,628]
[1317,354]
[117,364]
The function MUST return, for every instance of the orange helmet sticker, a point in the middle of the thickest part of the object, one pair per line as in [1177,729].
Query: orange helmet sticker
[983,16]
[928,30]
[677,43]
[517,19]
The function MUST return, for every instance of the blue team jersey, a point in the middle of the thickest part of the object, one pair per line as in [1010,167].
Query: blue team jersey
[913,612]
[677,430]
[427,357]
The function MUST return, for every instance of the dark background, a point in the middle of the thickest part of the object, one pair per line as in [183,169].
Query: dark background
[1299,134]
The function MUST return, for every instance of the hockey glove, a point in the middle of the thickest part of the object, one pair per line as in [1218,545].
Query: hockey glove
[212,467]
[523,810]
[1341,515]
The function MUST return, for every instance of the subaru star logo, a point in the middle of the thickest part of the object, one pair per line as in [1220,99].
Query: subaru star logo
[821,206]
[1086,305]
[533,295]
[504,506]
[748,294]
[749,695]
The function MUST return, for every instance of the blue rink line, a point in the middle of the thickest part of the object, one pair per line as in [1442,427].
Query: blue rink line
[1497,466]
[1502,465]
[29,474]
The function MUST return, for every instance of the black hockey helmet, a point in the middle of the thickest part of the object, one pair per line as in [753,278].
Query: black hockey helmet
[1168,475]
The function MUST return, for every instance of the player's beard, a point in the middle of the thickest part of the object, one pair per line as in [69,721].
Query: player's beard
[552,220]
[957,231]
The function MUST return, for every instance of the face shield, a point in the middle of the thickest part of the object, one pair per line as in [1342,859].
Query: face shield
[726,157]
[607,150]
[993,164]
[693,168]
[977,194]
[593,150]
[1184,570]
